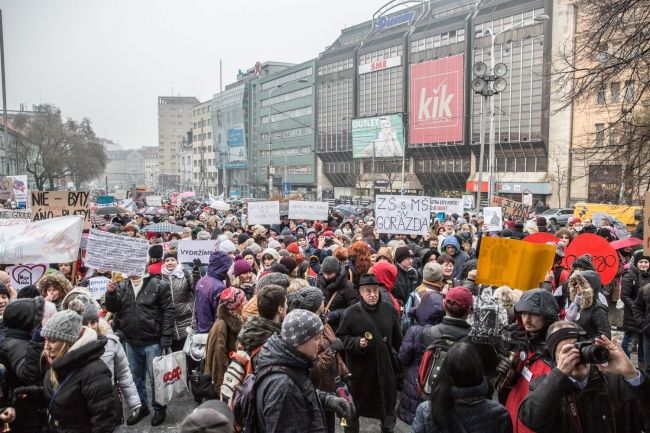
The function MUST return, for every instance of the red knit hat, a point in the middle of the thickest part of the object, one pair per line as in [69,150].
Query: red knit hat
[232,298]
[293,248]
[241,267]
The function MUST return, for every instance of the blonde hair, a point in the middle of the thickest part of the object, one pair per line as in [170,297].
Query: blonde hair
[54,380]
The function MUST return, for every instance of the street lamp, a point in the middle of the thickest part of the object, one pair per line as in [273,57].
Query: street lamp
[273,89]
[480,85]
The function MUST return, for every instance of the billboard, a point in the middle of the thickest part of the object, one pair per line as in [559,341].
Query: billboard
[436,101]
[383,135]
[228,127]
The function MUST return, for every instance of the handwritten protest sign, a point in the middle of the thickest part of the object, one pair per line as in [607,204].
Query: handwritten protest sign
[6,188]
[116,253]
[511,209]
[49,241]
[154,200]
[400,214]
[264,212]
[188,250]
[447,205]
[51,204]
[13,221]
[25,275]
[15,214]
[97,286]
[493,218]
[603,255]
[308,210]
[510,262]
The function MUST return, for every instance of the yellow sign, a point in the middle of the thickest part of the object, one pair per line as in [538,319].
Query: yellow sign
[514,263]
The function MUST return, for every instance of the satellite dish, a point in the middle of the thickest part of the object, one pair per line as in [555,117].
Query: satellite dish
[500,69]
[480,69]
[478,84]
[500,85]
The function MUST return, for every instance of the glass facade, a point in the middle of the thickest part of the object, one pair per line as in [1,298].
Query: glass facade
[381,92]
[334,114]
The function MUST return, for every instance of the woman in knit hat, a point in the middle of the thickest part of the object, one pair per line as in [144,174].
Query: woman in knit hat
[78,387]
[244,278]
[181,285]
[222,338]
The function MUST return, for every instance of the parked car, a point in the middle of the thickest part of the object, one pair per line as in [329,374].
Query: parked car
[558,217]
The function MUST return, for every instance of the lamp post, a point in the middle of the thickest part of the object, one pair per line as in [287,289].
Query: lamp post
[499,84]
[271,90]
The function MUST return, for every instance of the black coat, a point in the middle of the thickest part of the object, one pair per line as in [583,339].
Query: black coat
[405,283]
[373,380]
[341,288]
[545,410]
[145,319]
[632,281]
[84,402]
[284,406]
[410,355]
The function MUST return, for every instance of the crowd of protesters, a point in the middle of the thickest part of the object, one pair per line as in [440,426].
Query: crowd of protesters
[320,306]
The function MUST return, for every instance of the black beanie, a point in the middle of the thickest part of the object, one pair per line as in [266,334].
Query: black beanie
[30,291]
[156,251]
[24,314]
[170,254]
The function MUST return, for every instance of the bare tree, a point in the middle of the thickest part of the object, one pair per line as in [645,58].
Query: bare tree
[560,173]
[611,54]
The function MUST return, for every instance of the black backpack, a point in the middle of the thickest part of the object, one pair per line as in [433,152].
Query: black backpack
[432,360]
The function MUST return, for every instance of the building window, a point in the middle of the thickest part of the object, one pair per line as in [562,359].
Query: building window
[287,78]
[600,96]
[600,134]
[615,92]
[604,183]
[602,54]
[629,91]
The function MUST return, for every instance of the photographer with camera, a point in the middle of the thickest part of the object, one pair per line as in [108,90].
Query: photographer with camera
[592,388]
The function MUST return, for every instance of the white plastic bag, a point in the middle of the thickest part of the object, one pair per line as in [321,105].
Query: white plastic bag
[170,376]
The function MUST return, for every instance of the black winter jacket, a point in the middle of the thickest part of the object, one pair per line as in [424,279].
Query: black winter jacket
[632,281]
[405,283]
[143,320]
[84,397]
[341,288]
[284,406]
[641,310]
[607,399]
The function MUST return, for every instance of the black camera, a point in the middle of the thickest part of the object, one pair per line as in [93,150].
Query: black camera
[591,353]
[328,241]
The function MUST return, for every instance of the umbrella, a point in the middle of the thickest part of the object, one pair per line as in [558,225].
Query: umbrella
[220,205]
[110,210]
[164,228]
[187,194]
[154,211]
[346,209]
[620,228]
[625,243]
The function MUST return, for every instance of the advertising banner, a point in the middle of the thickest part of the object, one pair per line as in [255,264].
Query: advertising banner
[510,262]
[308,210]
[116,253]
[105,200]
[228,127]
[511,209]
[447,205]
[263,212]
[15,214]
[49,241]
[52,204]
[436,101]
[383,136]
[399,214]
[188,250]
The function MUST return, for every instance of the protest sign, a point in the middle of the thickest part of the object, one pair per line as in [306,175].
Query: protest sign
[6,188]
[308,210]
[447,205]
[105,200]
[97,286]
[646,225]
[603,255]
[116,253]
[511,209]
[154,200]
[510,262]
[49,241]
[51,204]
[13,221]
[493,219]
[401,214]
[25,275]
[20,190]
[15,214]
[188,250]
[263,212]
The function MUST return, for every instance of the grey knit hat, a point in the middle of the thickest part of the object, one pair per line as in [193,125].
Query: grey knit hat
[299,327]
[330,265]
[90,313]
[63,326]
[276,278]
[311,298]
[432,272]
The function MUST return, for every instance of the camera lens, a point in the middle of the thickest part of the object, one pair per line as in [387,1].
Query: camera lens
[593,354]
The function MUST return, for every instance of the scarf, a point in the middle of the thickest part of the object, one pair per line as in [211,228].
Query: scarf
[177,272]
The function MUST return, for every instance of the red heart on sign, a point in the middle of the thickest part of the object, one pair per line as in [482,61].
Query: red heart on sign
[25,275]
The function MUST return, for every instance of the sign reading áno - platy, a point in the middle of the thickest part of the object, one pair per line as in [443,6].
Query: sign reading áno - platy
[401,214]
[52,204]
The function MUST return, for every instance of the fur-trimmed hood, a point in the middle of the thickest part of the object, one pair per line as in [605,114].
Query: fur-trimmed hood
[232,320]
[55,278]
[589,289]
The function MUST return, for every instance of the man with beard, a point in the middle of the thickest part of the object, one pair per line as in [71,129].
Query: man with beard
[371,333]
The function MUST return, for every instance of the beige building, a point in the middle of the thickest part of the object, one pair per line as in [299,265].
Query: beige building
[174,120]
[151,166]
[204,171]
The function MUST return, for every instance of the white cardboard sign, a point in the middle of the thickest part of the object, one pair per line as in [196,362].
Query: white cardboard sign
[263,212]
[402,214]
[493,218]
[116,253]
[154,200]
[447,205]
[308,210]
[188,250]
[97,286]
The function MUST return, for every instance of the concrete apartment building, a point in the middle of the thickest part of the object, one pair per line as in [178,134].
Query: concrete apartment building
[174,120]
[151,166]
[203,164]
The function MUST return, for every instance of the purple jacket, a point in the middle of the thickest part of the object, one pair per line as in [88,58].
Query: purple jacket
[209,288]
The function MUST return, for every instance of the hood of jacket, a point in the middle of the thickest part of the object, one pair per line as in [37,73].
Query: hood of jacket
[589,285]
[255,331]
[540,302]
[233,321]
[386,274]
[219,264]
[276,352]
[55,278]
[450,240]
[80,354]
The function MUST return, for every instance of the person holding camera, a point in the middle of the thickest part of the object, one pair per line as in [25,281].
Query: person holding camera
[592,388]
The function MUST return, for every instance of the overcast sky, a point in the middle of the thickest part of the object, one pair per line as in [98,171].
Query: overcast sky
[109,60]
